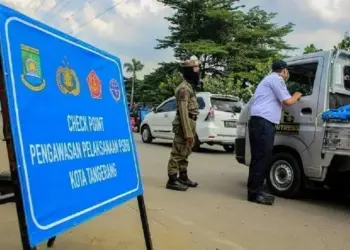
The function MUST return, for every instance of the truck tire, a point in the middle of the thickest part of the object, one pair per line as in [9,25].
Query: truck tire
[146,134]
[285,176]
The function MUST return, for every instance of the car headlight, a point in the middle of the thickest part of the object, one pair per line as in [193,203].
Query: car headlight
[241,130]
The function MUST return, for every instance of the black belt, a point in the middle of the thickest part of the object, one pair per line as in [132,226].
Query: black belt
[191,116]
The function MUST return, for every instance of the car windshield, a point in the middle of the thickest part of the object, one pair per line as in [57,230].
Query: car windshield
[226,105]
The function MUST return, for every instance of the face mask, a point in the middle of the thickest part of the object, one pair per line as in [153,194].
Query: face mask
[287,77]
[192,77]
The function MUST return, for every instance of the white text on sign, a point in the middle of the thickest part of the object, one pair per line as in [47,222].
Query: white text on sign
[82,177]
[79,123]
[68,151]
[54,152]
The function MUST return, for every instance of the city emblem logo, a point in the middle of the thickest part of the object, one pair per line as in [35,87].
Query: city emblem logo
[67,80]
[32,75]
[115,89]
[95,85]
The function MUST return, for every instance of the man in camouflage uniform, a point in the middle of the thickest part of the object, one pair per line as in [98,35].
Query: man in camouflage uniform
[184,127]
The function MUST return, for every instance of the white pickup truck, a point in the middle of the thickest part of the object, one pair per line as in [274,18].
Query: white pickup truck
[308,152]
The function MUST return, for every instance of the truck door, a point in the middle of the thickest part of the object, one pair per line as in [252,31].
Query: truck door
[298,120]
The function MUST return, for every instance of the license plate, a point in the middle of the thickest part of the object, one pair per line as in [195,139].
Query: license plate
[230,124]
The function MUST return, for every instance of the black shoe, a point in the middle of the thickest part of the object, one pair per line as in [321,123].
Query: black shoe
[268,196]
[174,184]
[186,181]
[262,199]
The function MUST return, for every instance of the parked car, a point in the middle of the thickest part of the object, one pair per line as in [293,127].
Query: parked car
[216,123]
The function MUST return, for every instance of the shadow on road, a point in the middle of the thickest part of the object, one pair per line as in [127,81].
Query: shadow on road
[202,149]
[320,198]
[326,198]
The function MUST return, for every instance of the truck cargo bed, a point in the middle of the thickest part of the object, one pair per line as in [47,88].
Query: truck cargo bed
[337,137]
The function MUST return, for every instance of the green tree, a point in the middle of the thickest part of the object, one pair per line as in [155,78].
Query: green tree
[133,67]
[168,85]
[311,49]
[227,40]
[201,28]
[215,30]
[258,40]
[128,81]
[148,89]
[344,43]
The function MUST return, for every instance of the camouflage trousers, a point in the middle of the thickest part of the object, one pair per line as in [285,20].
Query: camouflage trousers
[178,161]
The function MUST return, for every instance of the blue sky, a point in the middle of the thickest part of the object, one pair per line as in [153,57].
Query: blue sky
[130,29]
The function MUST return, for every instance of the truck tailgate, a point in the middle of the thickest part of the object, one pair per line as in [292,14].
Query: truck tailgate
[337,138]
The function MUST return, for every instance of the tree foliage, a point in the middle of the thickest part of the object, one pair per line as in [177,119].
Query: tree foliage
[133,67]
[222,35]
[168,85]
[235,45]
[311,49]
[150,87]
[229,41]
[344,43]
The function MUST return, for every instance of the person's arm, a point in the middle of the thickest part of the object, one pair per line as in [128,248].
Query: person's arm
[294,98]
[183,96]
[280,90]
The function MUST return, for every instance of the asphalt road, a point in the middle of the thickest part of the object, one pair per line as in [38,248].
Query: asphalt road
[217,214]
[213,216]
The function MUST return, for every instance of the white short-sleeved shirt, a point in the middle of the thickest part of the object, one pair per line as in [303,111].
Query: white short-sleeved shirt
[268,98]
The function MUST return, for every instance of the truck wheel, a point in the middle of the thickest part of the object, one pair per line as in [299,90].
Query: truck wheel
[285,177]
[229,148]
[146,134]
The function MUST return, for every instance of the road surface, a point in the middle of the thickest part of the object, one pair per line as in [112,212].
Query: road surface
[215,216]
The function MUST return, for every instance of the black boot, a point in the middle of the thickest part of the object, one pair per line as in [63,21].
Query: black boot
[186,181]
[174,184]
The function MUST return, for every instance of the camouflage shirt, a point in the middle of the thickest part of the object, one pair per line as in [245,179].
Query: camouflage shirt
[187,105]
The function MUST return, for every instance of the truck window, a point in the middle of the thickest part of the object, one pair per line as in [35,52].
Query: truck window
[347,77]
[302,78]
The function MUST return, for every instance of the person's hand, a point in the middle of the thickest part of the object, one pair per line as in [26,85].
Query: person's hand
[189,141]
[298,95]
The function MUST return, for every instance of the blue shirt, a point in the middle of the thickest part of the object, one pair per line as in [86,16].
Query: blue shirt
[268,98]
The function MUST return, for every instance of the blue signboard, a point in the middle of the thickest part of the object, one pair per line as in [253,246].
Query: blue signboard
[75,151]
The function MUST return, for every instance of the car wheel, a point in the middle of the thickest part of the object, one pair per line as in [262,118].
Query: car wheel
[229,148]
[197,145]
[146,134]
[285,176]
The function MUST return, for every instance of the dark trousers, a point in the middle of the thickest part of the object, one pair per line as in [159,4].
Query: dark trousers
[261,138]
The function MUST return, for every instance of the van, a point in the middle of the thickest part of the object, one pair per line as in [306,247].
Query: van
[308,152]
